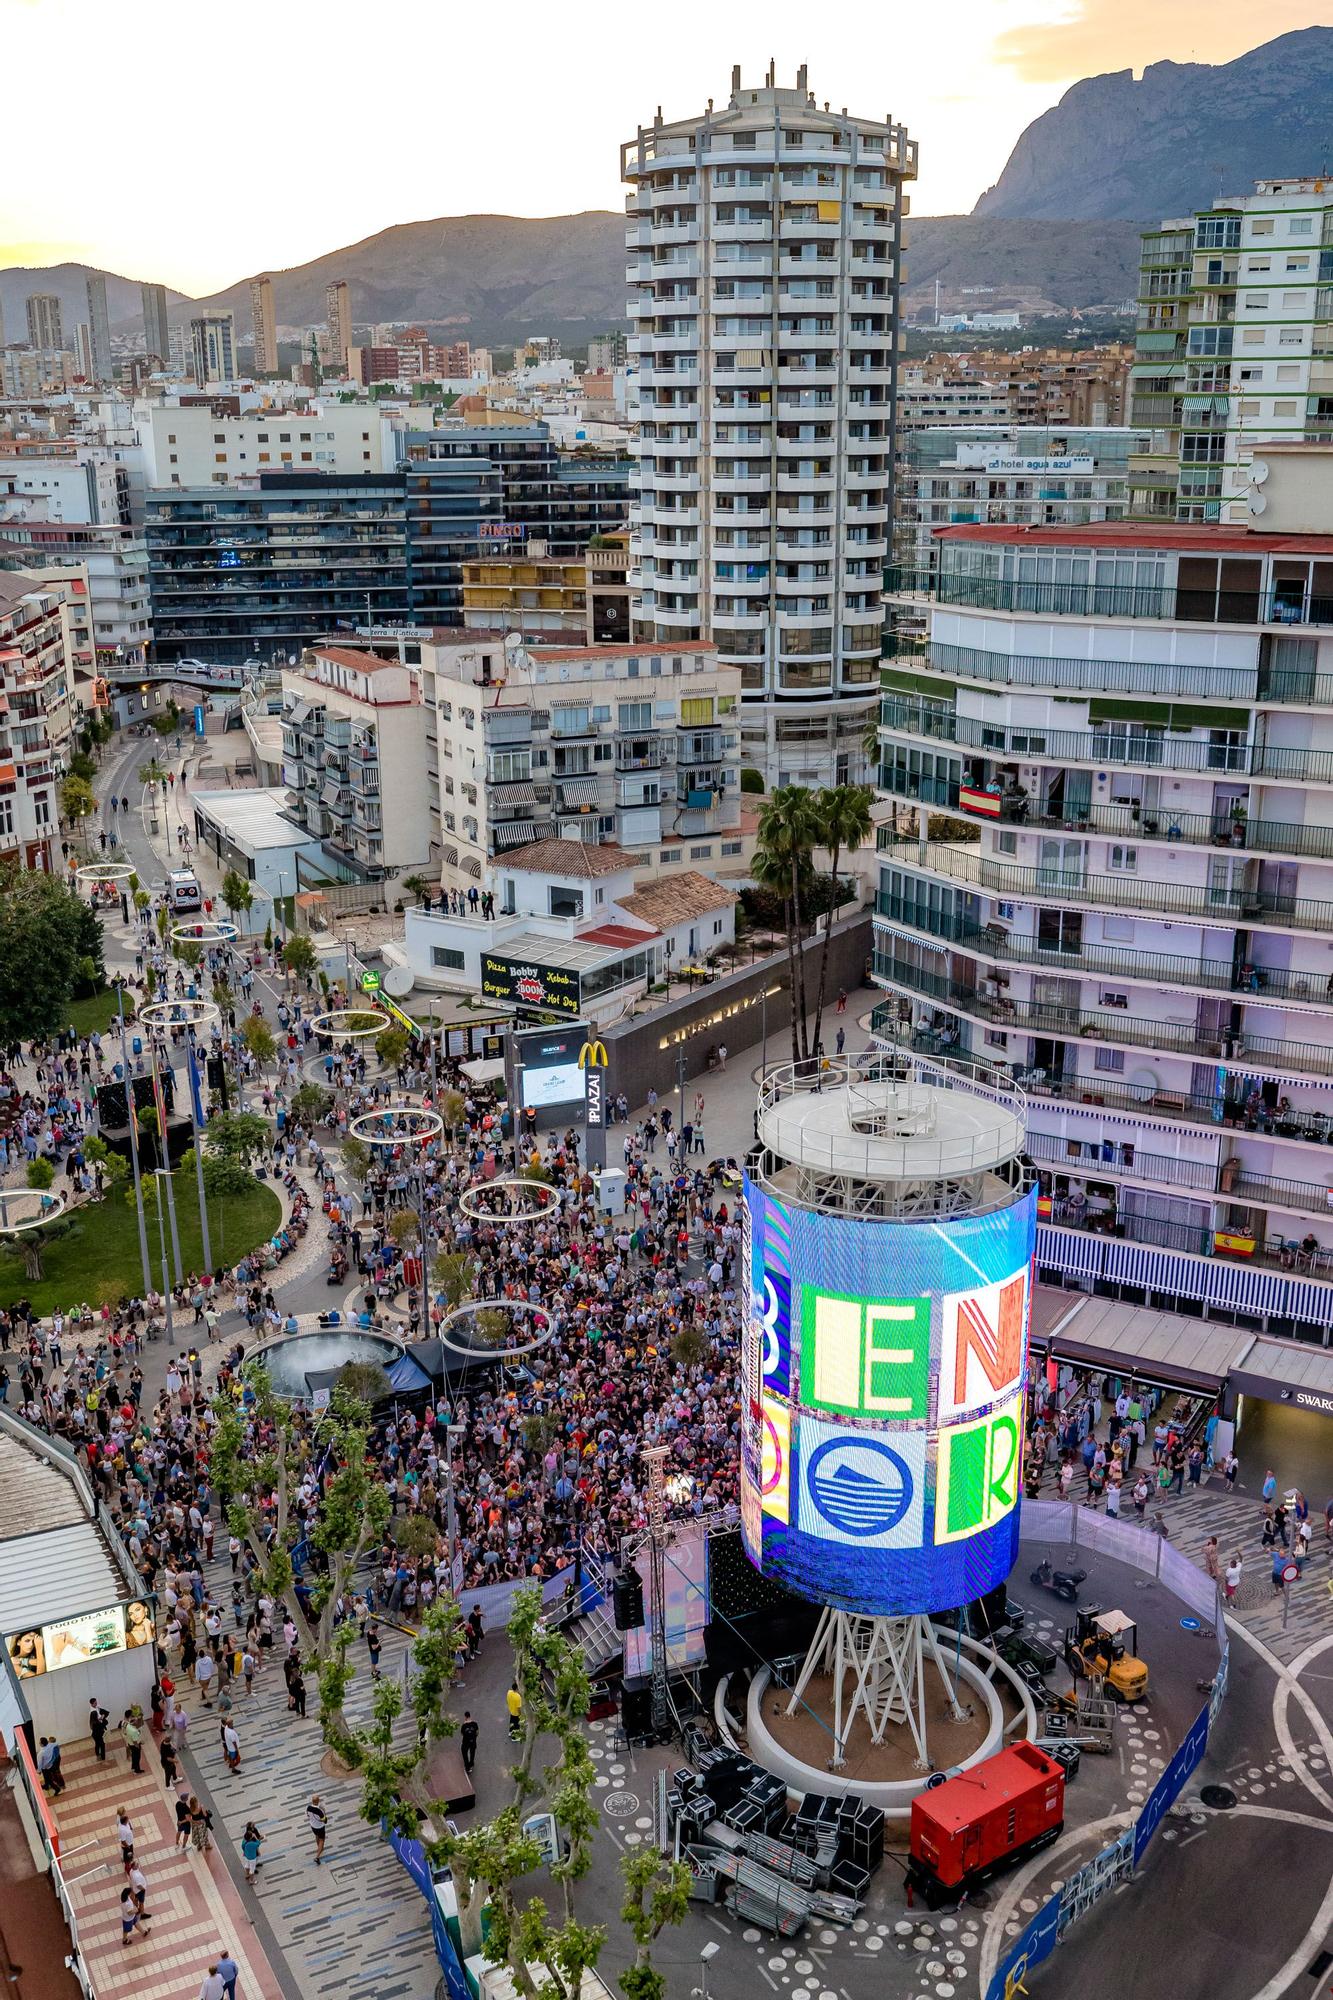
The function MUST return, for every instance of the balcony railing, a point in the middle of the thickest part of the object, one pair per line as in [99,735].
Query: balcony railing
[1167,679]
[1108,1026]
[1236,833]
[994,942]
[1224,904]
[1144,1100]
[1122,1161]
[1159,750]
[1285,604]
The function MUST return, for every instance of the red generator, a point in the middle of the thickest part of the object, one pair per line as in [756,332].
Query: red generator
[973,1825]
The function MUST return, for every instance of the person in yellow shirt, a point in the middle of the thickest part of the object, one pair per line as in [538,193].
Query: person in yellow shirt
[514,1703]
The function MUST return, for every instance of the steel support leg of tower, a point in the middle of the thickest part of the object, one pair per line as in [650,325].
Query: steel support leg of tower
[884,1659]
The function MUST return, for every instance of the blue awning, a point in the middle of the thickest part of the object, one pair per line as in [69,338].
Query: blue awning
[406,1377]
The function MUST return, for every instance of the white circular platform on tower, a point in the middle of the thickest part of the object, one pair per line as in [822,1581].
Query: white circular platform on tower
[886,1119]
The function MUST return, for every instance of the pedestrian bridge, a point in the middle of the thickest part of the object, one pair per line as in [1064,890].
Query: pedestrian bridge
[187,673]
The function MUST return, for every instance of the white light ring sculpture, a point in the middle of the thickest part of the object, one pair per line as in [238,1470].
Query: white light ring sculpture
[217,933]
[164,1015]
[430,1127]
[51,1205]
[515,1351]
[551,1200]
[94,873]
[377,1024]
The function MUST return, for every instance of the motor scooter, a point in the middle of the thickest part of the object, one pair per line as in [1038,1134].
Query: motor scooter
[1062,1582]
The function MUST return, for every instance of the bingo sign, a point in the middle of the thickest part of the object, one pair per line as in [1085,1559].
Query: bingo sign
[547,989]
[883,1370]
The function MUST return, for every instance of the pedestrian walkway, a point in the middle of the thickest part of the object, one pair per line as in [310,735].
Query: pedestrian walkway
[195,1909]
[356,1926]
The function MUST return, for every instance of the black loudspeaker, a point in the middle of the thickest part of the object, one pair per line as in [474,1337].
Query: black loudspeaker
[627,1600]
[636,1712]
[111,1102]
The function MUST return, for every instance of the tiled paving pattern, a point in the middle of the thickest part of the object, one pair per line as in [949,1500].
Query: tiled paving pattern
[356,1926]
[195,1908]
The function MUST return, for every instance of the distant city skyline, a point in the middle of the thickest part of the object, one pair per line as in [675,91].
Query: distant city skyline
[965,84]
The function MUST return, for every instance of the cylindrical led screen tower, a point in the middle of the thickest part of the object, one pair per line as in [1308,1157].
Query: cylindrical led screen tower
[890,1221]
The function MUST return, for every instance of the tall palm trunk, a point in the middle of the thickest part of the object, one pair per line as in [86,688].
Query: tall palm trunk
[798,945]
[793,992]
[823,956]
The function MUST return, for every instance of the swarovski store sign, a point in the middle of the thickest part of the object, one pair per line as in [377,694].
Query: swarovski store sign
[1319,1402]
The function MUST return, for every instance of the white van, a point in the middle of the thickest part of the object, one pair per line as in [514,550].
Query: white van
[184,895]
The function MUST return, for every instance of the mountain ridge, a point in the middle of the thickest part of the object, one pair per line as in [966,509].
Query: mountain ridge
[1175,138]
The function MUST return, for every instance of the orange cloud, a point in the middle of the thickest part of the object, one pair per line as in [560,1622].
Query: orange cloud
[1101,35]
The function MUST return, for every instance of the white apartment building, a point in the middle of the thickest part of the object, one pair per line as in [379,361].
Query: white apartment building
[1039,474]
[589,743]
[109,564]
[73,482]
[571,930]
[192,447]
[923,402]
[353,744]
[1234,347]
[36,719]
[1136,724]
[764,242]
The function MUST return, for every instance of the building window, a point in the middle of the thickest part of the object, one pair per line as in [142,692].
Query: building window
[1110,1061]
[1006,843]
[702,853]
[444,955]
[670,854]
[697,709]
[732,847]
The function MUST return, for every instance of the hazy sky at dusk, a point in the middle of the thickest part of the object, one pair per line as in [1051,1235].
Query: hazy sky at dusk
[197,146]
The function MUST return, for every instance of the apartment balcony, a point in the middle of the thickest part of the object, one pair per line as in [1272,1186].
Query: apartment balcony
[992,942]
[1148,749]
[639,753]
[1229,831]
[1261,685]
[1286,603]
[1248,906]
[1106,1026]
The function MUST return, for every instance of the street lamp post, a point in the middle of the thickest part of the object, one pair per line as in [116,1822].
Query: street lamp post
[192,1061]
[164,1155]
[159,1174]
[134,1140]
[451,1432]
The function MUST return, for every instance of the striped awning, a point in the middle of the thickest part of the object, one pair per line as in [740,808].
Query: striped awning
[1217,1280]
[577,791]
[520,834]
[520,793]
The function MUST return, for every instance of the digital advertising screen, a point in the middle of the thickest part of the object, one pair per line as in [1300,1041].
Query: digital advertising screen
[71,1642]
[883,1367]
[549,1067]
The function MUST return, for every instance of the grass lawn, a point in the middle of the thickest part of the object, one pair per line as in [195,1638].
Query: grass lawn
[98,1259]
[93,1017]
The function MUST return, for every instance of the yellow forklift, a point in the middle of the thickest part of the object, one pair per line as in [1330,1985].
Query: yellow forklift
[1103,1646]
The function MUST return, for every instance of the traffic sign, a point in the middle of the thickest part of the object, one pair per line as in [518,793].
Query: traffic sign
[1290,1572]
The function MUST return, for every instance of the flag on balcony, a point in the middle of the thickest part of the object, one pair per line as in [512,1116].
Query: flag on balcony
[975,799]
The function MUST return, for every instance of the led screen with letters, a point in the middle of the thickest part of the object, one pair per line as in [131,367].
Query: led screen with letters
[883,1372]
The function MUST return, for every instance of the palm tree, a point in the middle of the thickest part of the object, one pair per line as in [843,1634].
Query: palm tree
[843,814]
[788,832]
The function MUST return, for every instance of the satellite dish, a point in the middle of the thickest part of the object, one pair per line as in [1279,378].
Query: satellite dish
[1258,503]
[1259,471]
[398,981]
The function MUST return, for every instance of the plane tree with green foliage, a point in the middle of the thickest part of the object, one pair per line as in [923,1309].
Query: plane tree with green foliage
[49,941]
[353,1511]
[547,1950]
